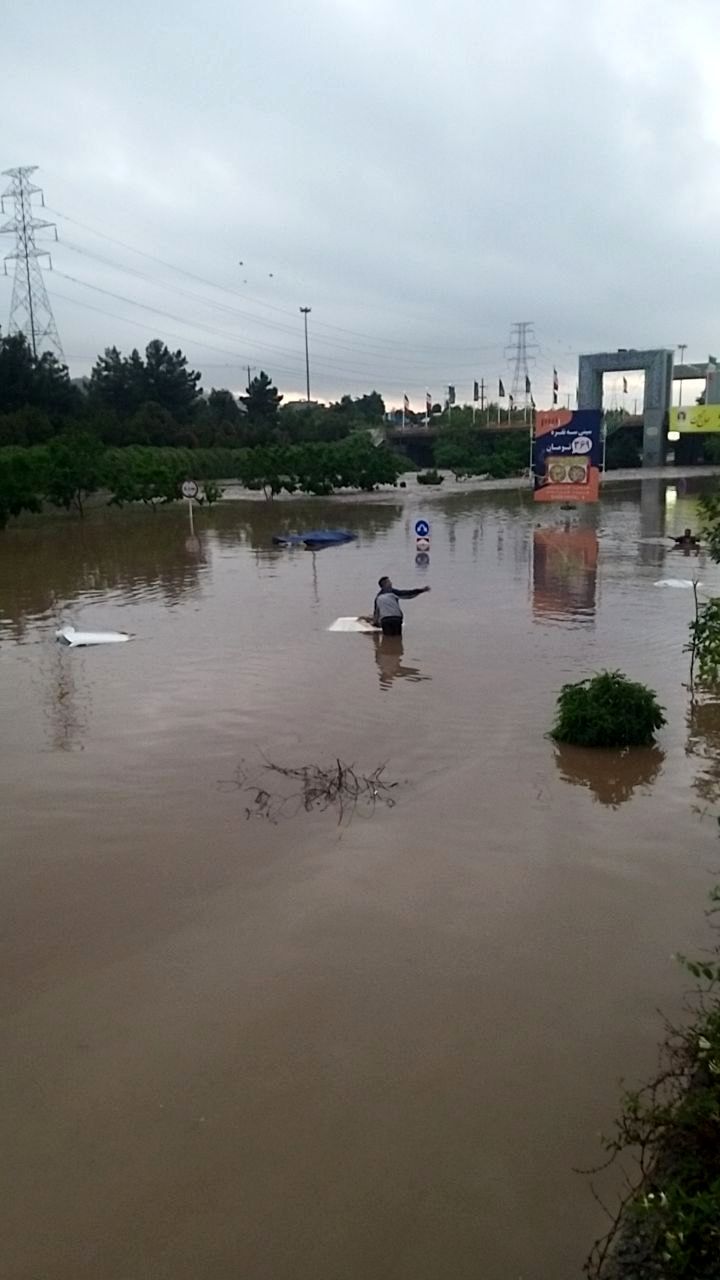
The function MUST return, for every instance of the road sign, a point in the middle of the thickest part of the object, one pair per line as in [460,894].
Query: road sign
[189,489]
[422,529]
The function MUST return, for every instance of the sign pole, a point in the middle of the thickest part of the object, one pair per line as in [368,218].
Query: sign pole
[190,491]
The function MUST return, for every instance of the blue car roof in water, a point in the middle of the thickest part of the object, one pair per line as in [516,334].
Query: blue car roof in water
[324,537]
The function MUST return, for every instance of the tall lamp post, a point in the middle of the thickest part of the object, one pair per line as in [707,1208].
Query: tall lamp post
[305,312]
[682,347]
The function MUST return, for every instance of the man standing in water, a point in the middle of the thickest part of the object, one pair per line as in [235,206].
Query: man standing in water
[387,613]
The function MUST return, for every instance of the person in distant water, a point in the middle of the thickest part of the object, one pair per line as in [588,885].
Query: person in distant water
[387,613]
[687,541]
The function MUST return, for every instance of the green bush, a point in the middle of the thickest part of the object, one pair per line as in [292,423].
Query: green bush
[430,477]
[468,451]
[20,483]
[607,710]
[75,465]
[623,449]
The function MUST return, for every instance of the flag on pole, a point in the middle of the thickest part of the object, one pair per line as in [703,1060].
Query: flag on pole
[556,382]
[555,394]
[476,391]
[406,404]
[428,404]
[501,390]
[532,403]
[528,387]
[512,402]
[624,386]
[451,395]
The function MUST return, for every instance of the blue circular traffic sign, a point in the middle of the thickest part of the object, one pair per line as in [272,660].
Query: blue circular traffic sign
[422,529]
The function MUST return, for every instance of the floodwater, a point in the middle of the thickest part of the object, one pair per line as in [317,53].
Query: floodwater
[287,1048]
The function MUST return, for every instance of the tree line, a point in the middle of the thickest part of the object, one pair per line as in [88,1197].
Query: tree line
[74,466]
[156,399]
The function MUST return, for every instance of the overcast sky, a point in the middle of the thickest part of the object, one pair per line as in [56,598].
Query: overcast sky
[421,174]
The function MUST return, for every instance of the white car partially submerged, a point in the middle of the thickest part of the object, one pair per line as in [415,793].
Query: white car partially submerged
[73,639]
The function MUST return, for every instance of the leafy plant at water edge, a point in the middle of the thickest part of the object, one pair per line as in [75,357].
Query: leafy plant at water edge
[704,646]
[709,504]
[140,475]
[19,484]
[607,710]
[74,469]
[667,1225]
[211,493]
[430,477]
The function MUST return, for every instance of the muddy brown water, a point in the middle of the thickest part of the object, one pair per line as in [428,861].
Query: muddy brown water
[309,1051]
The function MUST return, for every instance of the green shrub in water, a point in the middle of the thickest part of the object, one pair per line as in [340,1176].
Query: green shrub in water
[430,477]
[607,710]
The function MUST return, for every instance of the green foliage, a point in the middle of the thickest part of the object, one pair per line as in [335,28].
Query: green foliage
[118,382]
[143,475]
[430,477]
[709,504]
[169,382]
[27,426]
[211,493]
[124,383]
[369,409]
[711,449]
[354,463]
[469,451]
[704,643]
[326,424]
[607,710]
[668,1222]
[35,382]
[262,402]
[77,464]
[19,483]
[74,469]
[623,449]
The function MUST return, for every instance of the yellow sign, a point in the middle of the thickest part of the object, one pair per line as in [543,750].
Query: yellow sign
[695,418]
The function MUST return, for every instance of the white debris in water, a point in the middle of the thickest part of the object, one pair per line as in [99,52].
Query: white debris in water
[77,639]
[352,624]
[684,583]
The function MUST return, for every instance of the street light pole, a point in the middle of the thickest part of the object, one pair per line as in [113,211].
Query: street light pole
[305,312]
[682,347]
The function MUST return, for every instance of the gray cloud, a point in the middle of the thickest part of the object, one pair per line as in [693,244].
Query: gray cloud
[421,175]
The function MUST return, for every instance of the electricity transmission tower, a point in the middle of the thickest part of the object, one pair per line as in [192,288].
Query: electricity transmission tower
[30,310]
[521,350]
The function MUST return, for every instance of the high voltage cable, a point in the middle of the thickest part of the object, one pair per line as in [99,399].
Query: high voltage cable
[239,362]
[260,302]
[326,364]
[422,365]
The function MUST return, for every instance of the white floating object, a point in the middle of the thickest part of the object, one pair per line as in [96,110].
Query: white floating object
[684,583]
[75,639]
[353,624]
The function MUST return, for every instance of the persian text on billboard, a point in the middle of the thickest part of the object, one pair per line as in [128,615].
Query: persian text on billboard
[567,454]
[695,418]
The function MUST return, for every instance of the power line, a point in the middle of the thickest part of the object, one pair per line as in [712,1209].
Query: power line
[368,338]
[374,355]
[30,310]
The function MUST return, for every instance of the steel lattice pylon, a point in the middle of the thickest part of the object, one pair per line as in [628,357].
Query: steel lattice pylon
[521,350]
[30,310]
